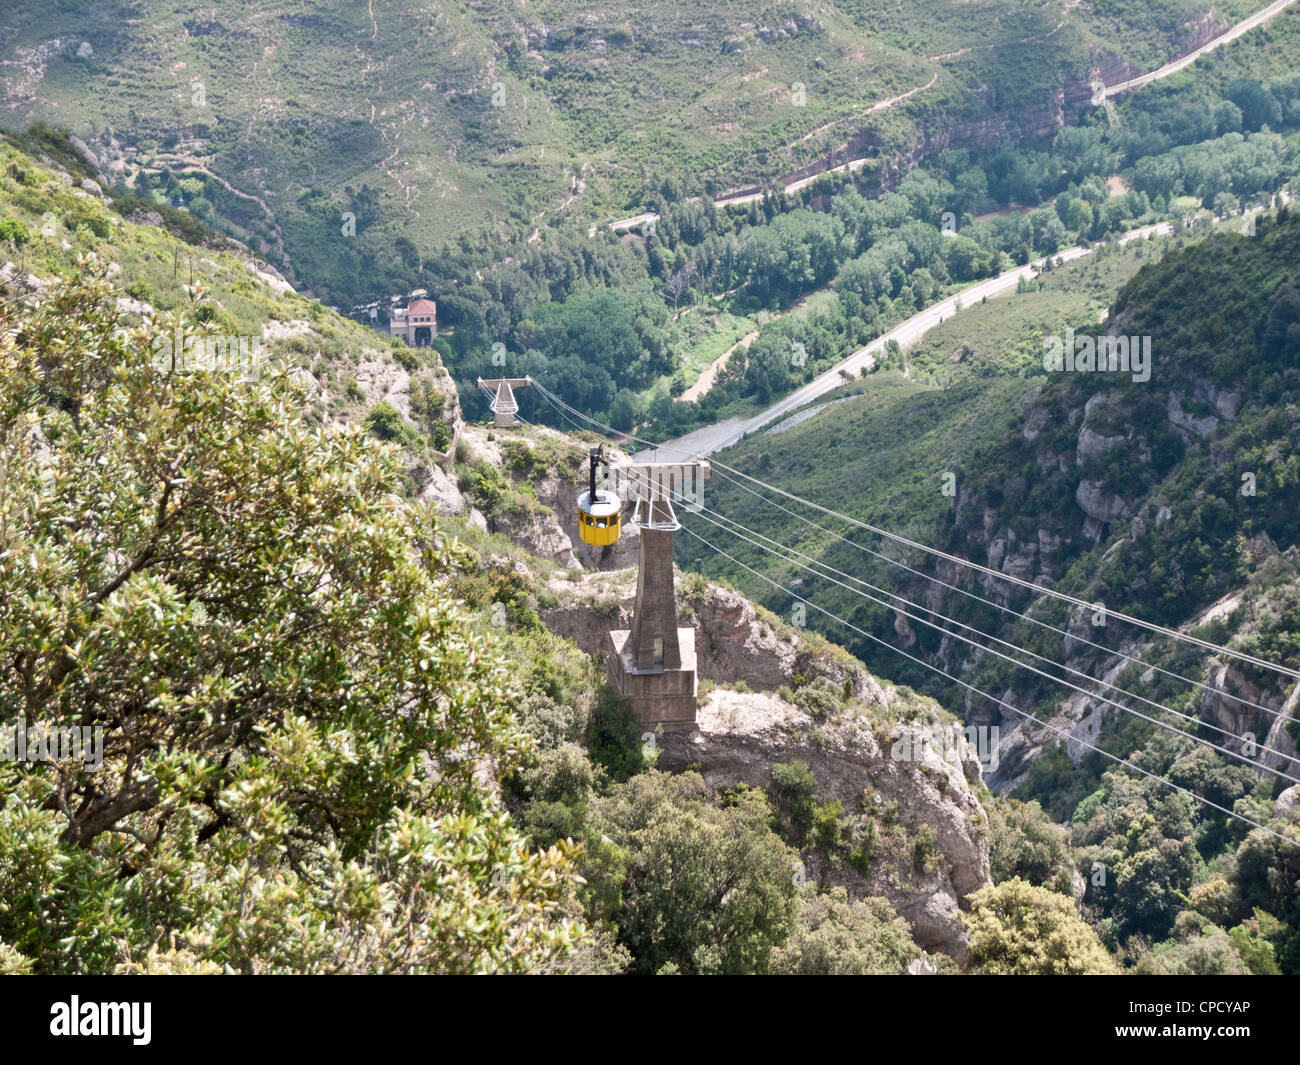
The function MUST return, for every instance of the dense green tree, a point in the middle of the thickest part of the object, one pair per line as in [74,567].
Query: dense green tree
[1018,929]
[1198,949]
[295,717]
[1259,107]
[620,337]
[836,936]
[691,884]
[1025,843]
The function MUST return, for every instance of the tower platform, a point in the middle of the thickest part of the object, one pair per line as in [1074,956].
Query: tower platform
[660,695]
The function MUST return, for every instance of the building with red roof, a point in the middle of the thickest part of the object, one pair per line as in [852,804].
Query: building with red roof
[416,323]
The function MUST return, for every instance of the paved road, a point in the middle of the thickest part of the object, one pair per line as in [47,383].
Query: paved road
[1244,26]
[723,434]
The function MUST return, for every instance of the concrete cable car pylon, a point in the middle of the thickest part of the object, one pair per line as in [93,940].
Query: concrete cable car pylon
[653,662]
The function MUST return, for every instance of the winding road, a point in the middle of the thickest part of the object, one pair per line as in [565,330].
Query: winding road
[723,434]
[1173,67]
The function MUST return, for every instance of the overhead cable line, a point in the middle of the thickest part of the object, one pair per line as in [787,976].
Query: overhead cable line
[1023,665]
[1000,702]
[1041,589]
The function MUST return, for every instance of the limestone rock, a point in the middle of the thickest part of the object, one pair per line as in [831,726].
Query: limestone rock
[443,492]
[139,308]
[538,533]
[1100,505]
[740,736]
[384,381]
[1092,443]
[140,217]
[1192,424]
[1287,806]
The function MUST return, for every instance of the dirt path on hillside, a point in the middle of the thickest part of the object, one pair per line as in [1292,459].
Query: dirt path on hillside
[736,196]
[1172,67]
[705,381]
[192,163]
[879,105]
[853,164]
[710,373]
[993,47]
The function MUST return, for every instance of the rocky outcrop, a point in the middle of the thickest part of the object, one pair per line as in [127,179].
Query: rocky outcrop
[142,217]
[537,531]
[560,494]
[440,489]
[1226,402]
[1254,714]
[1100,506]
[92,187]
[1093,444]
[741,736]
[1202,426]
[1283,752]
[1287,806]
[732,641]
[1222,404]
[384,381]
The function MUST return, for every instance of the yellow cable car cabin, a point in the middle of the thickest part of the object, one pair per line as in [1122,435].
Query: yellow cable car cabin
[600,513]
[600,522]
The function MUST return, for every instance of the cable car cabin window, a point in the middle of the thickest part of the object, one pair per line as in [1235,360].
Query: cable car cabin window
[601,523]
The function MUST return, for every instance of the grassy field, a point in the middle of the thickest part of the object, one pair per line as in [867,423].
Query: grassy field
[1003,336]
[707,333]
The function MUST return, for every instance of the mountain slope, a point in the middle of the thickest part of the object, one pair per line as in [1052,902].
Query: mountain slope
[1169,497]
[433,121]
[281,577]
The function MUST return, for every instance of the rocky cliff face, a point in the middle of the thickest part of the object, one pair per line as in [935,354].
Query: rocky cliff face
[550,530]
[998,126]
[733,642]
[743,733]
[1260,716]
[1098,451]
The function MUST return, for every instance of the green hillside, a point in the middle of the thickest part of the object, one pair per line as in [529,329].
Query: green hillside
[335,735]
[168,267]
[337,635]
[429,123]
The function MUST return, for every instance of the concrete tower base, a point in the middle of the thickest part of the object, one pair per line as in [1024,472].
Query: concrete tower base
[659,695]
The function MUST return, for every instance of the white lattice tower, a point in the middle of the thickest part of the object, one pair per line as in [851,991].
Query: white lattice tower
[504,406]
